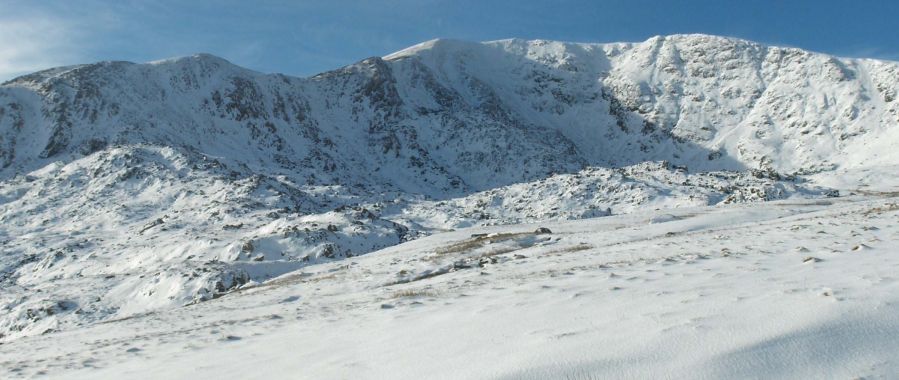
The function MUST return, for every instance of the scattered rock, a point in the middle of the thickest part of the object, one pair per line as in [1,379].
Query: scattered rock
[861,247]
[542,230]
[152,224]
[487,260]
[811,259]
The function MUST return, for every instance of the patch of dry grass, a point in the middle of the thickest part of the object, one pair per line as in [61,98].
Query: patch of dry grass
[571,249]
[479,241]
[890,206]
[411,293]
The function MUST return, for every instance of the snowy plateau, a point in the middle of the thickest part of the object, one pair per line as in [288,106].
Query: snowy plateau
[689,206]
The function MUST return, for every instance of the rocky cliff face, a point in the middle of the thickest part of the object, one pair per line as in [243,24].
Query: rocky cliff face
[445,117]
[702,101]
[129,187]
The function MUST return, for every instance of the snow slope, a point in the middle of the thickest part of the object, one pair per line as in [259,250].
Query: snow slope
[131,188]
[133,229]
[684,98]
[783,289]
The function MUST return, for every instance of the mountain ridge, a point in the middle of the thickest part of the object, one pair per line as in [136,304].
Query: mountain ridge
[127,188]
[631,103]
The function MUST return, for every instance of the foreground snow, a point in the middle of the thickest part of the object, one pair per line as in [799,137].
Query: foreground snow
[791,289]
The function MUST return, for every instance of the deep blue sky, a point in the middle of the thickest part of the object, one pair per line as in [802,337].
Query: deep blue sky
[307,37]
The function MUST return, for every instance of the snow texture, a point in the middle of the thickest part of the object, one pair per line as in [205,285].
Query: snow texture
[180,205]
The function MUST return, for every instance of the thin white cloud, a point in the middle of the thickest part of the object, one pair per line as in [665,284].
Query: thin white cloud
[36,42]
[872,52]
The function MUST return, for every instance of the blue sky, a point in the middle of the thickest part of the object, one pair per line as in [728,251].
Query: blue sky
[307,37]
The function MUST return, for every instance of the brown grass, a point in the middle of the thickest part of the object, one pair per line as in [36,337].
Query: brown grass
[411,293]
[478,242]
[572,249]
[892,206]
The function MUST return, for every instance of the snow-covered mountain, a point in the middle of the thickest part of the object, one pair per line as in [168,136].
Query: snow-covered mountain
[445,117]
[128,187]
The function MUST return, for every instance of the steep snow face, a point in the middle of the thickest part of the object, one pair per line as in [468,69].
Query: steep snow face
[446,117]
[131,187]
[349,126]
[703,101]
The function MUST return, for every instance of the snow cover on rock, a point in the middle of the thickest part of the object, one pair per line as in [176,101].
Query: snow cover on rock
[783,289]
[127,188]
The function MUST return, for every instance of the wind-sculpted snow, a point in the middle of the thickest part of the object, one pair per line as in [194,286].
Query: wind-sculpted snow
[777,290]
[127,188]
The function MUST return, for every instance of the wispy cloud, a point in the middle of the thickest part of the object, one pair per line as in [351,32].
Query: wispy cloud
[307,37]
[40,35]
[872,52]
[33,42]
